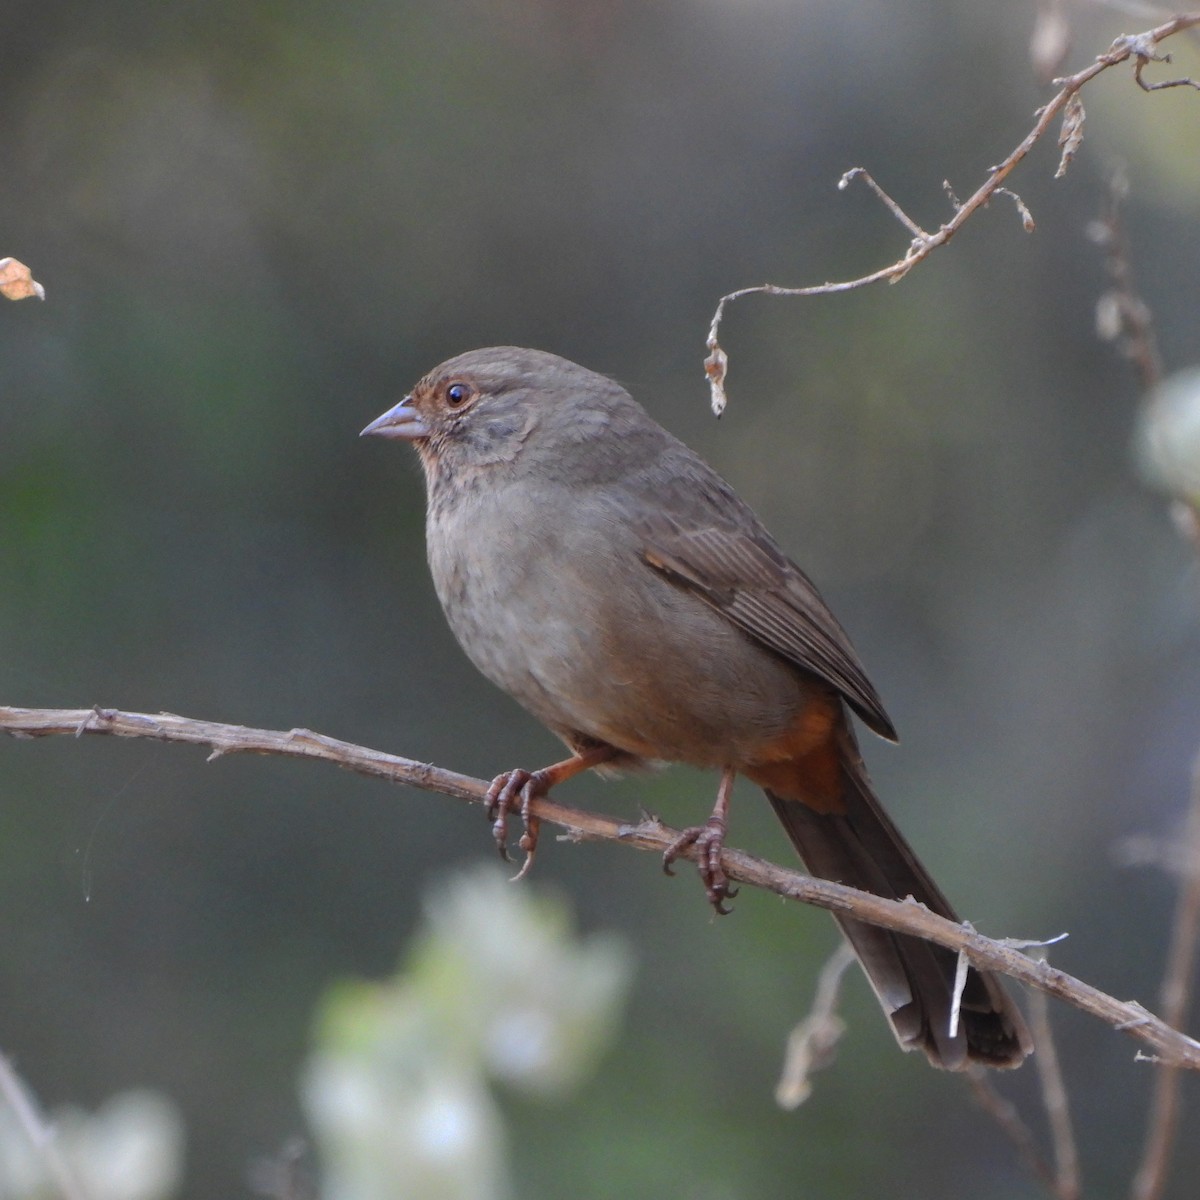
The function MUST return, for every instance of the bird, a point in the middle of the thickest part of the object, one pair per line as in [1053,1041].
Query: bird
[602,574]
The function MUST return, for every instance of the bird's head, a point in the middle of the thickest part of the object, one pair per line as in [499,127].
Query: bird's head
[497,405]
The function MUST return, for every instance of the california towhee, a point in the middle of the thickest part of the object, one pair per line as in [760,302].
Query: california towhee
[609,580]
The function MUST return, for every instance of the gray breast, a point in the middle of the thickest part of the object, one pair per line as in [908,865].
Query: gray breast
[552,601]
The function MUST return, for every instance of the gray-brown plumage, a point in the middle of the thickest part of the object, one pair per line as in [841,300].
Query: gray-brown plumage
[602,574]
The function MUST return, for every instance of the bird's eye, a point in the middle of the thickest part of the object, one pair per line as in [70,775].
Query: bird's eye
[458,394]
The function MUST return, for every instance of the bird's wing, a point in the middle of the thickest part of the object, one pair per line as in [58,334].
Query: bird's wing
[735,566]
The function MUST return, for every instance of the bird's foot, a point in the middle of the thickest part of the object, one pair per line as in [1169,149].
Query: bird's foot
[709,841]
[517,789]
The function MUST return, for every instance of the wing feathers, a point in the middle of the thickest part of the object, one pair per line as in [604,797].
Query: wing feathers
[746,577]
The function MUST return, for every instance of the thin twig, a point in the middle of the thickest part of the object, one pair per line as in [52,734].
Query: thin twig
[902,916]
[1121,313]
[811,1044]
[1140,64]
[1005,1114]
[1142,48]
[1163,1122]
[1067,1182]
[861,173]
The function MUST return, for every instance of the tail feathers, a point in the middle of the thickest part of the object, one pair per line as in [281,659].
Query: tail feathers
[913,979]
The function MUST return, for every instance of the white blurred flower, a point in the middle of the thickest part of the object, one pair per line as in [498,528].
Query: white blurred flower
[397,1113]
[542,1002]
[498,986]
[1168,436]
[131,1148]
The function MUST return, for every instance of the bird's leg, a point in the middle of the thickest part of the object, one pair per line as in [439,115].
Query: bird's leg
[709,840]
[519,788]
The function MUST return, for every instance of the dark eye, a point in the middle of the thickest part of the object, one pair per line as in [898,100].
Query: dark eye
[458,394]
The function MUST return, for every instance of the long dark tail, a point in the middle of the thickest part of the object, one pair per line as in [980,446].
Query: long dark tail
[913,979]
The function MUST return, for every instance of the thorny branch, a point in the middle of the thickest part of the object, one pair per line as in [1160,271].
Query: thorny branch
[1168,1045]
[1141,47]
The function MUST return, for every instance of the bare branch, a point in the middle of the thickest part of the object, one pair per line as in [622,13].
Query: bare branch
[1067,1182]
[1140,47]
[1163,1121]
[811,1044]
[1143,54]
[860,173]
[1169,1045]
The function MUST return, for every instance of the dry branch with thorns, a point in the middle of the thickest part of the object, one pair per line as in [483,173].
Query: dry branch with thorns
[1142,48]
[1006,957]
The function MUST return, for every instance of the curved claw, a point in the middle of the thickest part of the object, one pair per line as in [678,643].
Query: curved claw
[536,785]
[687,838]
[525,866]
[503,790]
[516,789]
[709,839]
[501,797]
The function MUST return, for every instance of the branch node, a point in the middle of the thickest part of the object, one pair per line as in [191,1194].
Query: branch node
[648,827]
[1140,45]
[95,718]
[1134,1022]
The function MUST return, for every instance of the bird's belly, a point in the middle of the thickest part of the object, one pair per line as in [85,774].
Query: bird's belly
[604,647]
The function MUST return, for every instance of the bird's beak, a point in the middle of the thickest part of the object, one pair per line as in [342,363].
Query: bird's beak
[400,421]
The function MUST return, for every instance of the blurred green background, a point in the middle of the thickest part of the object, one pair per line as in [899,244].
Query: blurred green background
[258,224]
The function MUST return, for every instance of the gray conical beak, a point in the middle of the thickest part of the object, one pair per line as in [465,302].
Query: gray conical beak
[401,421]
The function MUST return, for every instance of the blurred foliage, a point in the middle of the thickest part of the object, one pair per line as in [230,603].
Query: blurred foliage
[498,987]
[131,1148]
[1168,436]
[258,223]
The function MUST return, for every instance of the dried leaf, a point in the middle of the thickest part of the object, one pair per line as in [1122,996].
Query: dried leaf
[17,281]
[1071,137]
[715,366]
[1027,221]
